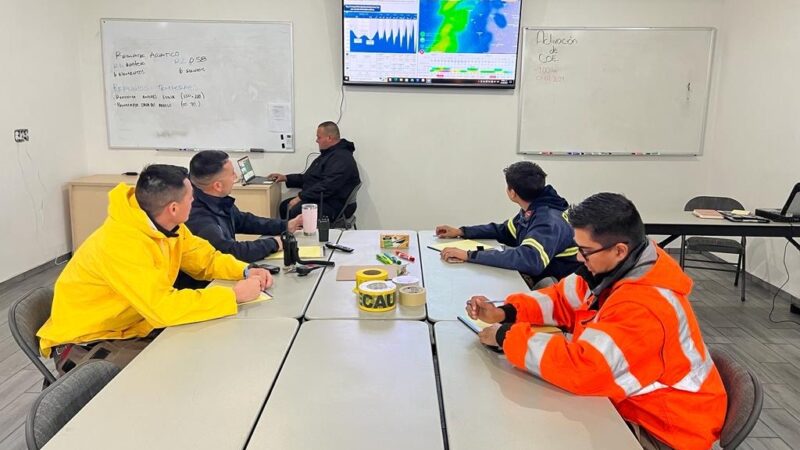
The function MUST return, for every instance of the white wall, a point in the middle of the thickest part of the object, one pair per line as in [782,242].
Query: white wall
[446,148]
[40,91]
[757,136]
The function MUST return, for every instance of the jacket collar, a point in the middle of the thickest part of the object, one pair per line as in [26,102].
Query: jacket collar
[168,233]
[638,262]
[218,205]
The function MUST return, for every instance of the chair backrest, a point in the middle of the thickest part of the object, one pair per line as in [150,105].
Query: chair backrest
[57,404]
[708,202]
[349,207]
[25,317]
[745,398]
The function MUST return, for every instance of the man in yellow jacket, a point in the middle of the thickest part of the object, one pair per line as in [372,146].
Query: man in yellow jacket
[117,289]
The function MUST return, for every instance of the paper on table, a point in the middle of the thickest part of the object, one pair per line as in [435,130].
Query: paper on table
[311,251]
[230,283]
[463,244]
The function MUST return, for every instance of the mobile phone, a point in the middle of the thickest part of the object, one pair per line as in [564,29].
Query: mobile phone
[333,246]
[472,326]
[274,270]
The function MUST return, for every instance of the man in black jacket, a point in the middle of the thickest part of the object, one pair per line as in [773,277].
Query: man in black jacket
[216,218]
[329,179]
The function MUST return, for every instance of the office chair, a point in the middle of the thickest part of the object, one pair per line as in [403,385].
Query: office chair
[25,316]
[745,399]
[346,218]
[59,403]
[716,245]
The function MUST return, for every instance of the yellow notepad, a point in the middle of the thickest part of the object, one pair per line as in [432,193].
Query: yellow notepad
[463,244]
[230,283]
[310,251]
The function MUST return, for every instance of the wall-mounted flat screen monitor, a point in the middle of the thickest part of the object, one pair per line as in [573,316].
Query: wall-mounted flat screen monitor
[430,42]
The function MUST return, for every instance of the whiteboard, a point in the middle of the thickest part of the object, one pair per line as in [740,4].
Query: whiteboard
[614,91]
[198,85]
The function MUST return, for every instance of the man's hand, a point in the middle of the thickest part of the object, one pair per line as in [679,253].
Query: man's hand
[488,335]
[481,308]
[280,243]
[293,202]
[247,290]
[262,275]
[446,231]
[277,177]
[452,254]
[295,224]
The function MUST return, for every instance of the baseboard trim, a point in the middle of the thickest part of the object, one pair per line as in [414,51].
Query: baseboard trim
[36,270]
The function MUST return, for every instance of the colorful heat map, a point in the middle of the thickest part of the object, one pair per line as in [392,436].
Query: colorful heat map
[468,26]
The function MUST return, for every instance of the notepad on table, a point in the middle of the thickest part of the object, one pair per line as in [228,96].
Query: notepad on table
[707,214]
[230,283]
[477,325]
[305,251]
[463,244]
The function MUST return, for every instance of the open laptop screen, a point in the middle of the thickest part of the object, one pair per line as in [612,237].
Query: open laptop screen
[246,168]
[792,206]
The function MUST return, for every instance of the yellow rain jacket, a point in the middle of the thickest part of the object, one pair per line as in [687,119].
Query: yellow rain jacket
[118,284]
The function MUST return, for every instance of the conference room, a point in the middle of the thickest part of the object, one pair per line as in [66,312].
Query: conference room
[661,101]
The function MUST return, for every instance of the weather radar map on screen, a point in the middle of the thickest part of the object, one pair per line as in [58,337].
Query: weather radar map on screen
[431,42]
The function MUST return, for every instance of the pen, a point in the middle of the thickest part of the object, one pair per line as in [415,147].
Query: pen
[434,249]
[268,293]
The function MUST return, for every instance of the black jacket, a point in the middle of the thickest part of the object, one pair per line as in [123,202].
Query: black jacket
[333,173]
[217,220]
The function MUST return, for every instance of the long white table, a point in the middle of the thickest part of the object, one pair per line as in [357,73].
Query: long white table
[292,293]
[336,300]
[354,384]
[451,285]
[490,404]
[198,386]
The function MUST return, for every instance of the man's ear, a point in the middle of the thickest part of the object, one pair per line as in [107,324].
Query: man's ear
[622,249]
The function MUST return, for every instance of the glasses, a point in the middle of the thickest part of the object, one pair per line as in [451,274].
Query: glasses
[587,253]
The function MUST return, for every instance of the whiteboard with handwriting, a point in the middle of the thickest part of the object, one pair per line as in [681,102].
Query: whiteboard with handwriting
[198,85]
[614,91]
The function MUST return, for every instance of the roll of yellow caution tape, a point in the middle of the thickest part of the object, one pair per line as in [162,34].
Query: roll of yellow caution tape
[412,295]
[405,280]
[365,275]
[377,296]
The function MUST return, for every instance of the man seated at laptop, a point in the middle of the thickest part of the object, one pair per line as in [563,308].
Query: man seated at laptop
[540,239]
[330,177]
[216,218]
[117,289]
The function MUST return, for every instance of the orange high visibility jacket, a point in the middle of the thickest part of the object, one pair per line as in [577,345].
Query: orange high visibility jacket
[642,348]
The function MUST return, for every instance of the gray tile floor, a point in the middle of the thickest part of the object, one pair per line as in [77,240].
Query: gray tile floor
[771,350]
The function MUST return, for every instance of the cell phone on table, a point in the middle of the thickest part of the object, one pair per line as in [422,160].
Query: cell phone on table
[333,246]
[472,326]
[274,270]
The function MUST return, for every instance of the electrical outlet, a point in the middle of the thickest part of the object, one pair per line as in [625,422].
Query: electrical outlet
[21,135]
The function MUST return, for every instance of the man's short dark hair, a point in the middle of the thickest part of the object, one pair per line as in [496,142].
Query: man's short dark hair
[206,165]
[159,185]
[526,179]
[609,218]
[330,129]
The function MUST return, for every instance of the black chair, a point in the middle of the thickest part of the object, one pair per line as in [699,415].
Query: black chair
[59,403]
[25,317]
[715,244]
[346,218]
[745,399]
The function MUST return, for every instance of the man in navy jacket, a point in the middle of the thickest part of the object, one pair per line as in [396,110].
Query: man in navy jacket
[216,218]
[539,238]
[328,180]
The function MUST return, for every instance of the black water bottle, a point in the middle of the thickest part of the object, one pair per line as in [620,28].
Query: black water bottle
[323,226]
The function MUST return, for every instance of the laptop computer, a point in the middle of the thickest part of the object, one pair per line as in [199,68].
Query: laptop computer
[248,174]
[790,211]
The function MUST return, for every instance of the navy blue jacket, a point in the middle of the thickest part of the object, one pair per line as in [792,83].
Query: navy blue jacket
[540,241]
[333,173]
[217,220]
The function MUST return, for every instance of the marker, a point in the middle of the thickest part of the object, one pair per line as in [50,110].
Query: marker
[257,150]
[405,256]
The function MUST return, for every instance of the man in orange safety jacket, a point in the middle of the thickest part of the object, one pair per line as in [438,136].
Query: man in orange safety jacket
[630,332]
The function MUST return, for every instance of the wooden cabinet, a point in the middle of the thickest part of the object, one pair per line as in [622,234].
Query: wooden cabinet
[88,202]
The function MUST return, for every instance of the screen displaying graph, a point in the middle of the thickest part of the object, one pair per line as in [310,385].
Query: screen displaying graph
[430,42]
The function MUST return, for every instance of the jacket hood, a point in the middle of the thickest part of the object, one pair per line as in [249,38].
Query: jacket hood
[549,197]
[343,144]
[657,268]
[124,211]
